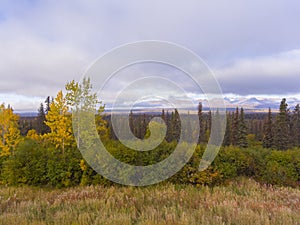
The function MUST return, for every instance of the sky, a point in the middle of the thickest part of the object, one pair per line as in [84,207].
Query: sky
[253,47]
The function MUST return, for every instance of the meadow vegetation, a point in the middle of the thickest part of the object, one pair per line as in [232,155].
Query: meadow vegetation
[242,201]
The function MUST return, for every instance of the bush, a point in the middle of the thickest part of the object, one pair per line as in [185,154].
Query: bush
[35,164]
[282,168]
[63,170]
[232,162]
[190,173]
[28,165]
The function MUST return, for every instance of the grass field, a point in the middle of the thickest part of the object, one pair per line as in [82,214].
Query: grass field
[239,202]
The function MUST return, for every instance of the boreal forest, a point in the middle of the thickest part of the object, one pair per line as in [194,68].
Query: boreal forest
[42,151]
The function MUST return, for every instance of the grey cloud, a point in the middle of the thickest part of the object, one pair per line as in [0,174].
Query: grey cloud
[46,43]
[273,74]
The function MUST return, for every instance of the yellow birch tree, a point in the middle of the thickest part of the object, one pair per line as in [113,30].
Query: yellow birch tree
[9,132]
[60,122]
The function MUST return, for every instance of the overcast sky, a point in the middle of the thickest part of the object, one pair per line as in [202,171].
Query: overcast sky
[253,47]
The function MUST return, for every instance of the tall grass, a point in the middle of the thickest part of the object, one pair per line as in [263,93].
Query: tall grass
[240,202]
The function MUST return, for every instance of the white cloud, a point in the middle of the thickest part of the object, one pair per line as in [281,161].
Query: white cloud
[46,43]
[272,74]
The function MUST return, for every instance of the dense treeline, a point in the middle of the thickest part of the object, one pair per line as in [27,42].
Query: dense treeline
[279,131]
[43,151]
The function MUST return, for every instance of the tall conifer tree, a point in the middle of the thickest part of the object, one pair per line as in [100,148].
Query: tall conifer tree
[268,139]
[281,138]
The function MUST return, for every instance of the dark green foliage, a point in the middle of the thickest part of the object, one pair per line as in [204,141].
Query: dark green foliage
[268,139]
[282,130]
[282,168]
[173,126]
[40,164]
[232,162]
[63,170]
[235,127]
[27,166]
[202,136]
[190,173]
[242,131]
[227,137]
[176,125]
[26,124]
[296,126]
[40,126]
[2,161]
[33,164]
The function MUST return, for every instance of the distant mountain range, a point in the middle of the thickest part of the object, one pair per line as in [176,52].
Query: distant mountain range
[256,104]
[26,114]
[253,104]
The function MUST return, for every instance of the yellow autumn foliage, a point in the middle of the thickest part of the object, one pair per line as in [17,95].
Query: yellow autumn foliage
[9,132]
[60,122]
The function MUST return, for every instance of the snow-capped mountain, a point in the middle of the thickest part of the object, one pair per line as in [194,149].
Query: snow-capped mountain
[255,103]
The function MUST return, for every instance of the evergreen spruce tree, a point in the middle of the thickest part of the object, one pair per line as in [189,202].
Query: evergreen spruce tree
[235,127]
[143,126]
[227,136]
[268,139]
[242,131]
[202,137]
[139,126]
[217,136]
[48,102]
[188,135]
[169,136]
[163,116]
[281,138]
[176,125]
[296,126]
[41,127]
[131,124]
[207,119]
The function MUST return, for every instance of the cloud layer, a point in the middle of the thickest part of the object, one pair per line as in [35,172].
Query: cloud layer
[253,47]
[273,74]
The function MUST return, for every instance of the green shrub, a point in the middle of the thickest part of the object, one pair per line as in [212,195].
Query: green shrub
[28,165]
[232,162]
[63,170]
[282,168]
[190,173]
[35,164]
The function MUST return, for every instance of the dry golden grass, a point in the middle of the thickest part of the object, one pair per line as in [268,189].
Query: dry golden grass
[242,202]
